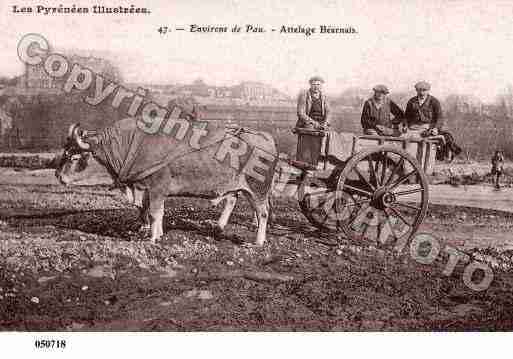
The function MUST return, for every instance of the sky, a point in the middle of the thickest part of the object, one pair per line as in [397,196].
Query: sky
[463,47]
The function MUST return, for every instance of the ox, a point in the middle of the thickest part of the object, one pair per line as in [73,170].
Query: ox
[217,164]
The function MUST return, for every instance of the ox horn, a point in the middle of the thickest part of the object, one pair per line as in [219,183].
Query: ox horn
[77,135]
[71,129]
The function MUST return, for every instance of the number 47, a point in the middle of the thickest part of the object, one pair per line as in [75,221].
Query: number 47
[163,30]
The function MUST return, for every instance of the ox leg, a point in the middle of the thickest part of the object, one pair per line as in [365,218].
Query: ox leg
[156,214]
[144,217]
[270,216]
[229,205]
[262,211]
[261,208]
[143,203]
[255,218]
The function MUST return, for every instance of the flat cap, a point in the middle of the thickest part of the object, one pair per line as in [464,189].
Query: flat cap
[380,88]
[316,78]
[422,85]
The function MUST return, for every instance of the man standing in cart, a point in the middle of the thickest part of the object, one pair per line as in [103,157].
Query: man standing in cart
[376,114]
[313,110]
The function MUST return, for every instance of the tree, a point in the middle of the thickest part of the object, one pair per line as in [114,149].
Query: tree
[353,97]
[456,103]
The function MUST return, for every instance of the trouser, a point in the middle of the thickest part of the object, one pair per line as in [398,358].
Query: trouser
[370,131]
[386,131]
[497,176]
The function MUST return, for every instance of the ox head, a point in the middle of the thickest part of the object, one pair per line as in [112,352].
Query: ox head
[77,165]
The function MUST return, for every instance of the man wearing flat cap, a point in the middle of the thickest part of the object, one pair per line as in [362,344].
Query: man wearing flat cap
[313,109]
[376,114]
[423,112]
[424,118]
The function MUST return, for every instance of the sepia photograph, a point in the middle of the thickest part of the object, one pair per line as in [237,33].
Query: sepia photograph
[241,166]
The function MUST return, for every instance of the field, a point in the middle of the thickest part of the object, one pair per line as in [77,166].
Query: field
[72,259]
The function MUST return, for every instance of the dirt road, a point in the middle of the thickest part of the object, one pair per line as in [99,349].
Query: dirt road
[72,259]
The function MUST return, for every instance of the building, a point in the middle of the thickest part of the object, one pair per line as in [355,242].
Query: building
[250,90]
[35,78]
[245,91]
[255,91]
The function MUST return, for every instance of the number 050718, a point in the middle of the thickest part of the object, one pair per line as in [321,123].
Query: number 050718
[50,344]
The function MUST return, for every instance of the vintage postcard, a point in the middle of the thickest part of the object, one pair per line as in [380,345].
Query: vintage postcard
[230,165]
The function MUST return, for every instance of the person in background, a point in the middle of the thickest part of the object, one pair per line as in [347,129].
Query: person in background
[497,167]
[313,110]
[423,113]
[376,114]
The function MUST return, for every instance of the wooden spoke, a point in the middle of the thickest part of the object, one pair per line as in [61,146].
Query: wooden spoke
[398,166]
[411,191]
[383,170]
[318,193]
[389,224]
[372,173]
[326,204]
[319,197]
[400,215]
[355,203]
[361,212]
[337,215]
[376,170]
[402,179]
[408,206]
[352,197]
[363,178]
[363,192]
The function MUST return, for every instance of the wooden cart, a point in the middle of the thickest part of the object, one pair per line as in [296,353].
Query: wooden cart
[370,187]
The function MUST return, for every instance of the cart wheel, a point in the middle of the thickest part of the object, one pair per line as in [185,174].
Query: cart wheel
[389,195]
[317,202]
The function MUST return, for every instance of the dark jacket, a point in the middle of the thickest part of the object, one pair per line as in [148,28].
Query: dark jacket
[429,113]
[497,164]
[304,104]
[372,116]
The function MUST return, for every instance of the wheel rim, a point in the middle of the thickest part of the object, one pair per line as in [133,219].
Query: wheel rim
[385,205]
[317,202]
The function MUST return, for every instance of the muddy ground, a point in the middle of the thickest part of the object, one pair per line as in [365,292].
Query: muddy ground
[72,259]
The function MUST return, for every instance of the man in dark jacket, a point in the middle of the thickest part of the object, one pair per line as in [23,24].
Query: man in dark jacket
[424,118]
[313,109]
[423,112]
[497,167]
[376,114]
